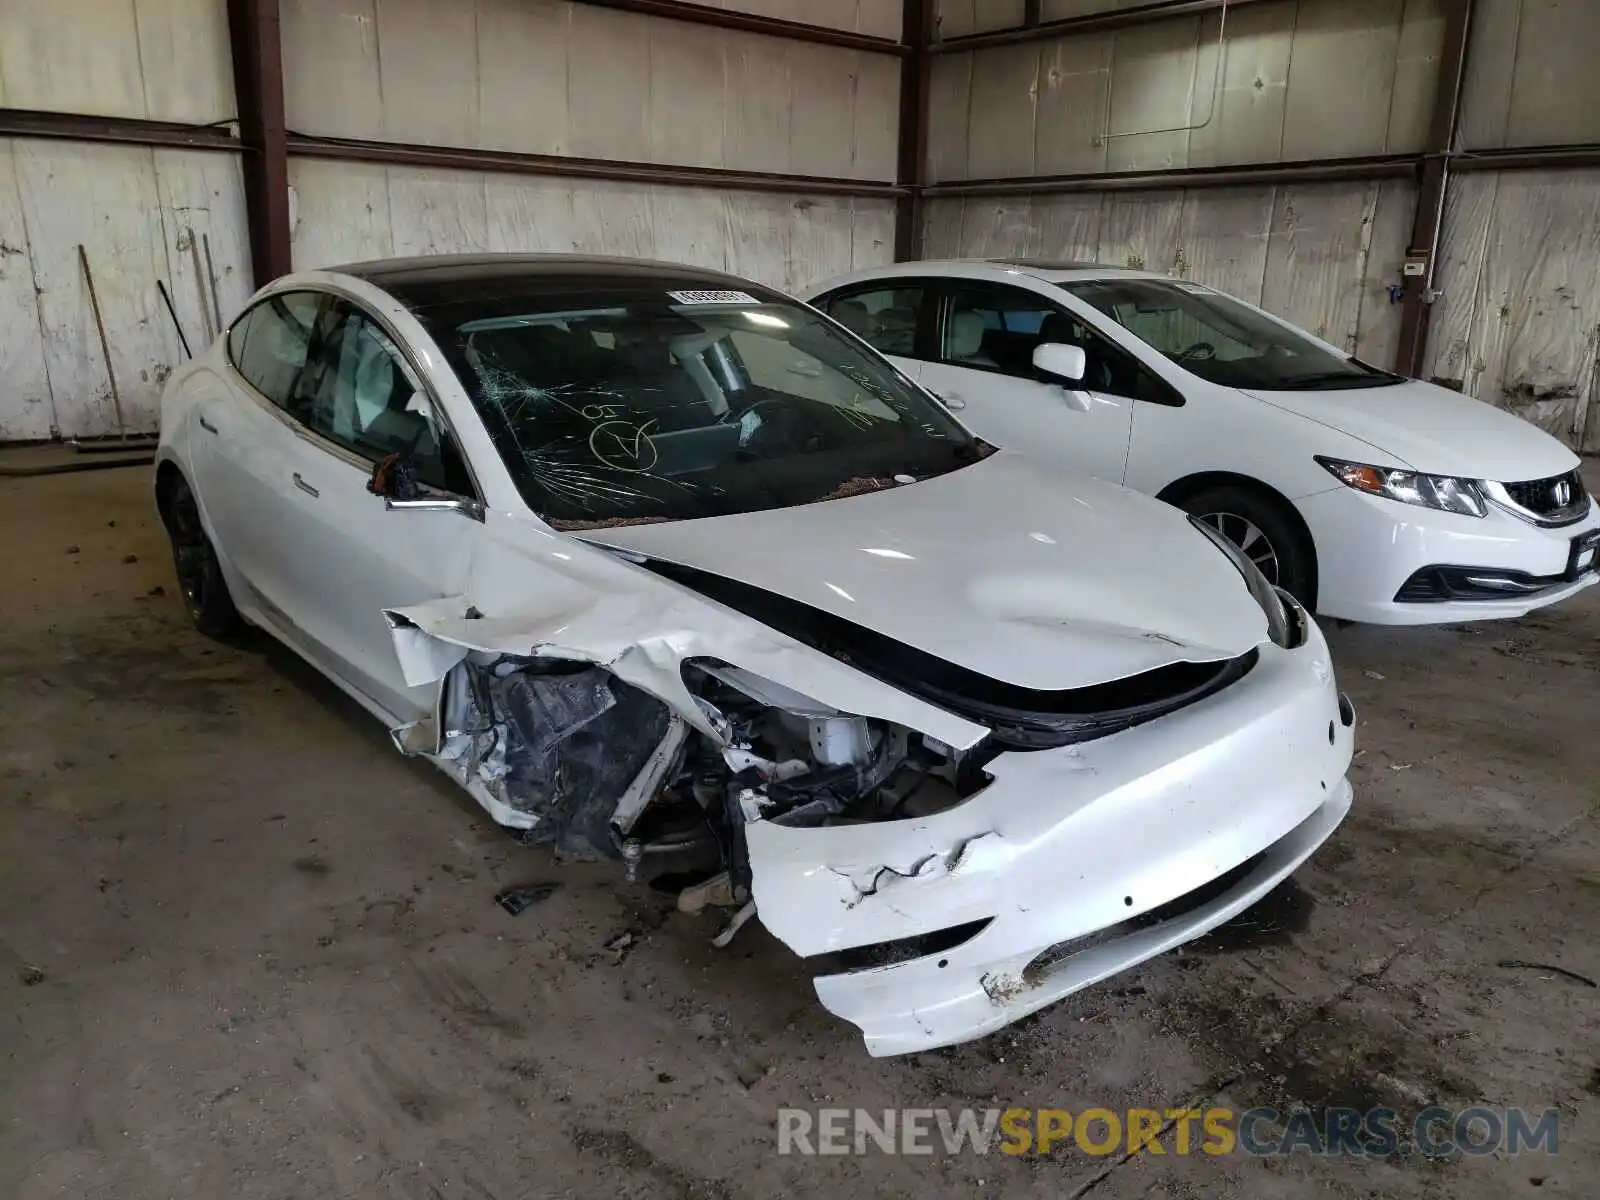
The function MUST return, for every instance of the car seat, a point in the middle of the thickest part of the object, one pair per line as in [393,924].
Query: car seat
[966,341]
[854,316]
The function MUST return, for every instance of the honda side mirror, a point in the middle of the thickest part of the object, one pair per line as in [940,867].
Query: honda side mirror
[1060,363]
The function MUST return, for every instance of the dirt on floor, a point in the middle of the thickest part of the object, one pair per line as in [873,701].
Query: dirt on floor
[246,950]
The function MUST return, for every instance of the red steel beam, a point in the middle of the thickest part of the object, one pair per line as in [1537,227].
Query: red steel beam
[722,18]
[1397,166]
[919,29]
[1528,158]
[1100,22]
[1428,223]
[253,30]
[134,131]
[450,158]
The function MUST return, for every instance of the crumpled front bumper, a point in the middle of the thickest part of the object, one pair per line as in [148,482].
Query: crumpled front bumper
[1068,846]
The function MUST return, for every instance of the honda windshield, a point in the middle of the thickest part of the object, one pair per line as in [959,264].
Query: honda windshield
[1222,340]
[618,407]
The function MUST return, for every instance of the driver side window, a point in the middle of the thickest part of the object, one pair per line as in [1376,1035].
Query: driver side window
[359,392]
[991,327]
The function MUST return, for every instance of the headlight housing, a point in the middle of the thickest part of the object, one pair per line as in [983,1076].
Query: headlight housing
[1446,493]
[1283,625]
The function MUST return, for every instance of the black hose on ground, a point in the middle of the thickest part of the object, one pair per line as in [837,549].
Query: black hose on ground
[8,470]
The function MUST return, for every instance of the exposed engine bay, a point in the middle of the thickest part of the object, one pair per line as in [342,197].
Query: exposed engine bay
[947,845]
[605,770]
[599,768]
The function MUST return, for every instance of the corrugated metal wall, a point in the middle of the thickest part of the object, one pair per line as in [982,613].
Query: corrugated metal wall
[1518,322]
[134,210]
[1299,79]
[1313,253]
[521,75]
[346,212]
[542,77]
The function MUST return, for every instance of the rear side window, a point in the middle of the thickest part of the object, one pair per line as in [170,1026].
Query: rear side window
[269,344]
[883,317]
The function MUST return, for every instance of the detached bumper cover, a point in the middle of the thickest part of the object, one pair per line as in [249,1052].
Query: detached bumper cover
[1067,845]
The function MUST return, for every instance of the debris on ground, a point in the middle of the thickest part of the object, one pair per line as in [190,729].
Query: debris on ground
[1378,675]
[518,900]
[619,946]
[1404,1090]
[72,550]
[130,558]
[718,890]
[739,918]
[1516,964]
[31,976]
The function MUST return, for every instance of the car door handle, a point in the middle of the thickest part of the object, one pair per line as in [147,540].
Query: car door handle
[206,425]
[949,399]
[304,486]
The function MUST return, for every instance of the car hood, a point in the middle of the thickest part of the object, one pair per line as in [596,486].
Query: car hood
[1435,430]
[1027,576]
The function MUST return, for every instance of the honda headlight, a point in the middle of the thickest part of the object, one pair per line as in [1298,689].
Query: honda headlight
[1443,492]
[1284,623]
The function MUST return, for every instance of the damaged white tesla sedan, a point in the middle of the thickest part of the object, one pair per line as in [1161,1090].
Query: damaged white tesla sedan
[665,567]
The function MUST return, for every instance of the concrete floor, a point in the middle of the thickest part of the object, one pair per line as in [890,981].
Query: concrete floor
[248,951]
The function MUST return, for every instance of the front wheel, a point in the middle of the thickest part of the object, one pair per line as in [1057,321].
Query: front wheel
[205,591]
[1268,537]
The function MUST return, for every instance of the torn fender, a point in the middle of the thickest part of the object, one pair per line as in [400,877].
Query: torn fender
[644,640]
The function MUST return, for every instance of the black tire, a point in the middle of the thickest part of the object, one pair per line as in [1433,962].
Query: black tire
[200,582]
[1257,524]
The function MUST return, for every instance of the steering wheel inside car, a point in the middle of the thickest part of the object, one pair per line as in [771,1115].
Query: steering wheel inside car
[1199,352]
[760,422]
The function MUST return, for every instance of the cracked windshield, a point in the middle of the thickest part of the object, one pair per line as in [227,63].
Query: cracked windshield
[658,406]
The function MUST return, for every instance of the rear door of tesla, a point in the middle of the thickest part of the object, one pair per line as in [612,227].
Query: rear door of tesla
[241,445]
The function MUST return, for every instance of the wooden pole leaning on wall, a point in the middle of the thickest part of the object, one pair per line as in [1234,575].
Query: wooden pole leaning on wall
[105,345]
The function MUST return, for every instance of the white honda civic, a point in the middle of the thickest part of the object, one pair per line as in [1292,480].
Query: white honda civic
[667,568]
[1369,496]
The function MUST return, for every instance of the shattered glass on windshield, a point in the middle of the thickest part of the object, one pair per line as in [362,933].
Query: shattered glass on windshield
[626,409]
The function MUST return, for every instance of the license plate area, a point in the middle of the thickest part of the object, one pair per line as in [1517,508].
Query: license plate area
[1585,556]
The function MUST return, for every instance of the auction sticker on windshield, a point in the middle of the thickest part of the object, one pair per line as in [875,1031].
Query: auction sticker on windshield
[713,297]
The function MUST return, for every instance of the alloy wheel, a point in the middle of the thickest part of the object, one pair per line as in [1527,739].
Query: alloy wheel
[1247,535]
[191,553]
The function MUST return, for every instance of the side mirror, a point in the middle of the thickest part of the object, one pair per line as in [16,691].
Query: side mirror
[1066,365]
[1060,362]
[393,478]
